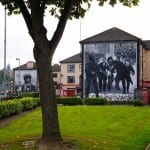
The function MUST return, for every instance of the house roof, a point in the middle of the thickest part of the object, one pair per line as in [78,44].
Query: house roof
[113,34]
[147,44]
[73,59]
[30,65]
[27,66]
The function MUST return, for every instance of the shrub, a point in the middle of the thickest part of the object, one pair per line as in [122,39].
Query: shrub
[69,101]
[138,102]
[120,102]
[27,103]
[12,107]
[30,94]
[9,108]
[36,102]
[96,101]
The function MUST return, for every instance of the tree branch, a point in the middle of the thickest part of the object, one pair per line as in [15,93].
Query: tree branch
[26,15]
[61,25]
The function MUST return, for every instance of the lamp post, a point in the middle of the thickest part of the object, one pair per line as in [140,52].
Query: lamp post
[5,50]
[18,60]
[19,81]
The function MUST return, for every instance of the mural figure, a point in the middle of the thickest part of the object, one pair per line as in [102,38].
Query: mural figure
[27,86]
[102,74]
[128,70]
[110,72]
[91,71]
[119,69]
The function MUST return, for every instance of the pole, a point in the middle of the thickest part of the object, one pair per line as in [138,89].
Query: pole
[5,50]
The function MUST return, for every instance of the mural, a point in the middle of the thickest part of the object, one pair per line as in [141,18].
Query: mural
[110,69]
[25,81]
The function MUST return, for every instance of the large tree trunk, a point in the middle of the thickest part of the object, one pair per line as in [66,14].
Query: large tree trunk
[50,131]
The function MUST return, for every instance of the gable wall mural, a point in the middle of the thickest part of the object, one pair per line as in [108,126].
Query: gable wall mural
[110,69]
[25,80]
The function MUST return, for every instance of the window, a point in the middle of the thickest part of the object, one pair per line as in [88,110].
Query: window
[71,68]
[54,75]
[71,79]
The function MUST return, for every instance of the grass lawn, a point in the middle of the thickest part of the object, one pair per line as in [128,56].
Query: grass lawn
[91,127]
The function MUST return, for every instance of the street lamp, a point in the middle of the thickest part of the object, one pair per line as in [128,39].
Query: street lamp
[5,50]
[18,60]
[19,81]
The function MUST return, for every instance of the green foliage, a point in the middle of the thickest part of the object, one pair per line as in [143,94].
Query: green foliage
[56,7]
[30,94]
[96,101]
[36,102]
[69,101]
[29,103]
[128,3]
[120,102]
[12,107]
[7,74]
[138,102]
[9,108]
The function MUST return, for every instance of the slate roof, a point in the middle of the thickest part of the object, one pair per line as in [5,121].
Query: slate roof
[147,44]
[24,67]
[55,67]
[113,34]
[73,59]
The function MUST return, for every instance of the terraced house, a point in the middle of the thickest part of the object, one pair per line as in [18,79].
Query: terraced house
[113,63]
[70,75]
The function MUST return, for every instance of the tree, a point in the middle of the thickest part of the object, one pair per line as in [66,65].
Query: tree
[8,74]
[33,12]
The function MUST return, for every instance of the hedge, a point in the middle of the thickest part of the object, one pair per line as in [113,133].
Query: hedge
[29,103]
[138,102]
[96,101]
[69,101]
[120,102]
[30,94]
[12,107]
[9,108]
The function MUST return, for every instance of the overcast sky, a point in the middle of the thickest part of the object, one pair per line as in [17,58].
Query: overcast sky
[133,20]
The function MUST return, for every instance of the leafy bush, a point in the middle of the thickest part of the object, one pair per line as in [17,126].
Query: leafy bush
[30,94]
[138,102]
[8,108]
[120,102]
[12,107]
[28,103]
[36,102]
[96,101]
[69,101]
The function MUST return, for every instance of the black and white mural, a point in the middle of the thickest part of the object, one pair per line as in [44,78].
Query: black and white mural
[25,80]
[110,70]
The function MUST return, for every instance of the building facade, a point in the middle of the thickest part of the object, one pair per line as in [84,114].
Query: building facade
[145,63]
[70,76]
[115,64]
[25,78]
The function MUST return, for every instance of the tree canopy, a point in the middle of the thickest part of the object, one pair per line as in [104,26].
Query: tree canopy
[57,6]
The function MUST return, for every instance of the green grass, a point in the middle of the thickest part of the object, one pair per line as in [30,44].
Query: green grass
[91,127]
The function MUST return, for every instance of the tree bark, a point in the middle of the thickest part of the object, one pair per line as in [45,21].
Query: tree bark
[50,131]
